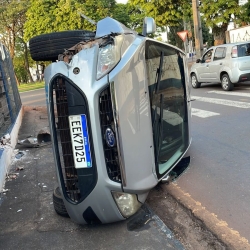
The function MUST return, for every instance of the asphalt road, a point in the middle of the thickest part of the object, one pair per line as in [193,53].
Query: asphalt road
[28,218]
[33,98]
[218,177]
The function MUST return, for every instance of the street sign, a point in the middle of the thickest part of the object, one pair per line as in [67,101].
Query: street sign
[183,35]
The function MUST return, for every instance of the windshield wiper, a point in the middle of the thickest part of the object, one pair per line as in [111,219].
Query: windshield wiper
[160,129]
[159,73]
[157,123]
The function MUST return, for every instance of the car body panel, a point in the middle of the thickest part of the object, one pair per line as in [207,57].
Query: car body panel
[132,103]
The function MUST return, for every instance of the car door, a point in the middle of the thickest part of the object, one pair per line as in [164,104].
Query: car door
[216,64]
[168,103]
[203,70]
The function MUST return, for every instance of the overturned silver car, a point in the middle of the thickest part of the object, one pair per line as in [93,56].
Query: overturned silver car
[119,113]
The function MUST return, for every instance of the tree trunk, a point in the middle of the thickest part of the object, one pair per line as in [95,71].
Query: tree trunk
[219,34]
[26,62]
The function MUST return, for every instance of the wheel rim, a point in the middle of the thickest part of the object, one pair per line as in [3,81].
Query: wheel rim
[224,82]
[193,81]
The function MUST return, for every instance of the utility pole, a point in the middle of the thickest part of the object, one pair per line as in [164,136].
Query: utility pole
[197,29]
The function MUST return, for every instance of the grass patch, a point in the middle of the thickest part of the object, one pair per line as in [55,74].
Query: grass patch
[30,86]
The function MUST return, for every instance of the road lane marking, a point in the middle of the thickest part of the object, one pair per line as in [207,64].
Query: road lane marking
[229,93]
[203,113]
[236,104]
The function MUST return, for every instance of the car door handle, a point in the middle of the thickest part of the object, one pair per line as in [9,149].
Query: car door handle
[220,63]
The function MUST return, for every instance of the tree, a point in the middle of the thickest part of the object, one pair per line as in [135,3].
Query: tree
[245,13]
[12,18]
[165,12]
[217,14]
[46,16]
[173,38]
[207,36]
[121,14]
[22,61]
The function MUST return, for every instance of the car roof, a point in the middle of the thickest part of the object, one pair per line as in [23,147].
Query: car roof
[229,44]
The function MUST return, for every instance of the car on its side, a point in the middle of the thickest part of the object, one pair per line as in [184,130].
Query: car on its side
[227,63]
[119,113]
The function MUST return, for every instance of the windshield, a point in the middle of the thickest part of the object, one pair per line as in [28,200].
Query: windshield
[166,82]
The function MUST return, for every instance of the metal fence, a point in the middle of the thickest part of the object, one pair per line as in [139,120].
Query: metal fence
[10,102]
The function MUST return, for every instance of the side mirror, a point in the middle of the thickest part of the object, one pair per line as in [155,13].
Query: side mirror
[149,26]
[198,60]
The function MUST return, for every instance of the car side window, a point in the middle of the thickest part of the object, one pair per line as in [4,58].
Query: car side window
[208,56]
[219,53]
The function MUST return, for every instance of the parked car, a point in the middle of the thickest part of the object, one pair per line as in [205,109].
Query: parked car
[226,63]
[119,112]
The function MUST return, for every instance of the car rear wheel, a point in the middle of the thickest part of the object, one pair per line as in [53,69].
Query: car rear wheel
[194,81]
[226,83]
[58,203]
[47,47]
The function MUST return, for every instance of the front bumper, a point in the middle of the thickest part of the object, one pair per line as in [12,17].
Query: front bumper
[87,192]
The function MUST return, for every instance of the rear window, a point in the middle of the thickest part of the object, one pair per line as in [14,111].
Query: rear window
[243,50]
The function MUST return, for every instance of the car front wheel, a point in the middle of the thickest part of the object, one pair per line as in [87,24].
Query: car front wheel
[226,83]
[194,81]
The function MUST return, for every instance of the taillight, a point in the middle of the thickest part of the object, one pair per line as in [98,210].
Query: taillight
[234,52]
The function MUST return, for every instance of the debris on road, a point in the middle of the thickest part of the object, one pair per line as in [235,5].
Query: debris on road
[19,155]
[29,143]
[12,176]
[43,136]
[19,168]
[5,141]
[42,139]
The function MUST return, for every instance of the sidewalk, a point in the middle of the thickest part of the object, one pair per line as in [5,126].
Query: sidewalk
[28,219]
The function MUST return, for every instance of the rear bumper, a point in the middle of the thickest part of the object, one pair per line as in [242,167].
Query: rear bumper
[244,77]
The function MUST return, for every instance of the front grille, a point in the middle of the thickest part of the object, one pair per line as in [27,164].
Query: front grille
[107,121]
[68,100]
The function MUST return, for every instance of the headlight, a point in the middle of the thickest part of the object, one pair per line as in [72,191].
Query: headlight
[127,203]
[109,55]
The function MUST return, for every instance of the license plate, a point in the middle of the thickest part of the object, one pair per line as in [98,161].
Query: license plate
[80,141]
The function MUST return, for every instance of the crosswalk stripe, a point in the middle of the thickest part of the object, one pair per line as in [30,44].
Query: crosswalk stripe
[229,93]
[244,105]
[203,113]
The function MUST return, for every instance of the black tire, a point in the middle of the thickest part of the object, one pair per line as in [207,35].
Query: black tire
[47,47]
[226,83]
[58,203]
[194,82]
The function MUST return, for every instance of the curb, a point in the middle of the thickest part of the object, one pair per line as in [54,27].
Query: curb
[220,228]
[7,151]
